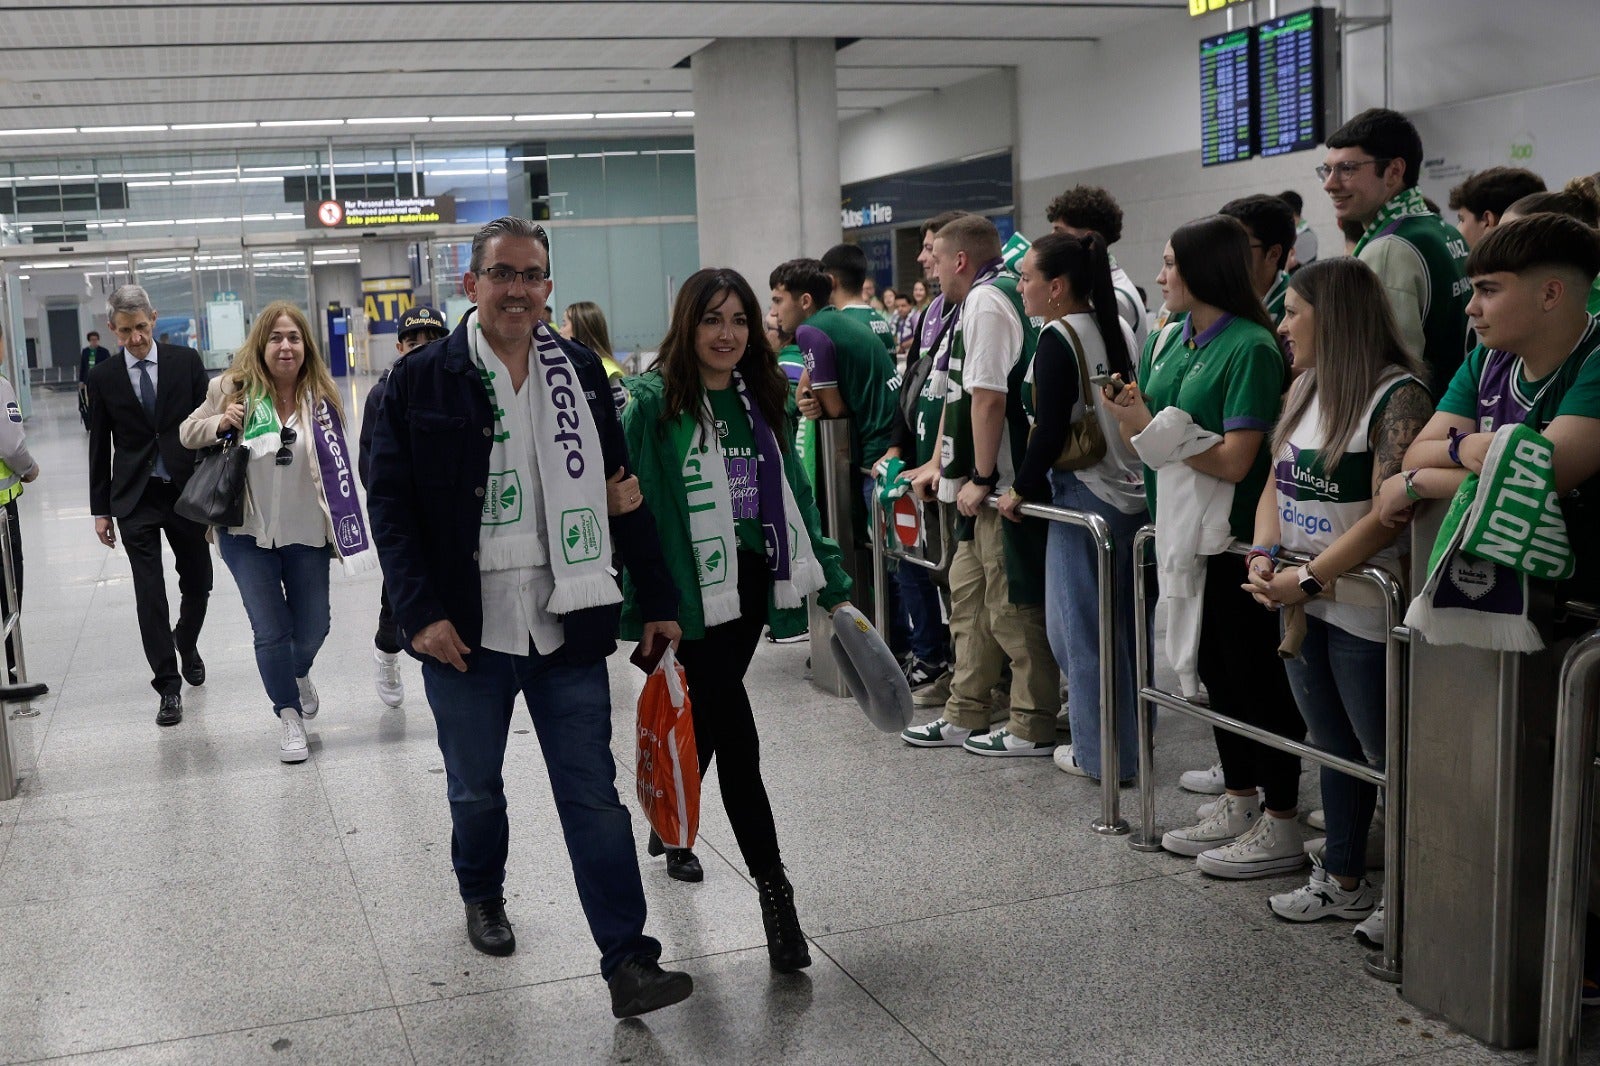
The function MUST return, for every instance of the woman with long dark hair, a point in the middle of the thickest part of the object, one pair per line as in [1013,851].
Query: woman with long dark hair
[1356,406]
[1067,281]
[1222,373]
[709,433]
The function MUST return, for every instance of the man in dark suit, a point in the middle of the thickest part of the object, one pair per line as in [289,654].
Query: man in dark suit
[137,468]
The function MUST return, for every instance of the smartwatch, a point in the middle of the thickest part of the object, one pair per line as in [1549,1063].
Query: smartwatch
[986,482]
[1309,584]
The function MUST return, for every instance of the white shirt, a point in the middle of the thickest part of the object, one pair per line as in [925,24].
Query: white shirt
[514,599]
[991,339]
[283,504]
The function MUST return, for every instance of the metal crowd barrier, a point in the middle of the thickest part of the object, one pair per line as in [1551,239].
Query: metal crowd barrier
[1386,964]
[22,691]
[1571,823]
[1110,822]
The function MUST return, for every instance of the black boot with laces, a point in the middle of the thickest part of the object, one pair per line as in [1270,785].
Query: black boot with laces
[786,943]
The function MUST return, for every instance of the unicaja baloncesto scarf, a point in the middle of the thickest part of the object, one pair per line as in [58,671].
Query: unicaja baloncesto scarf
[790,558]
[562,456]
[263,435]
[1503,527]
[1403,204]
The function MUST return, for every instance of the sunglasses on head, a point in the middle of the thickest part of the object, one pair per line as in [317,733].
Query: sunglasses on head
[286,437]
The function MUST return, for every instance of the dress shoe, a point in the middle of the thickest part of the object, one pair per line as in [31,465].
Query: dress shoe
[191,666]
[489,929]
[171,712]
[786,943]
[640,985]
[681,862]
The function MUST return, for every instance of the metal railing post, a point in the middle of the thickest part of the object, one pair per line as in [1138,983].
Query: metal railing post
[1571,818]
[1148,835]
[1391,778]
[880,570]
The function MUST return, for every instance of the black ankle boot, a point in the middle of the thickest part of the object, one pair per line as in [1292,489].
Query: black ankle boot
[786,943]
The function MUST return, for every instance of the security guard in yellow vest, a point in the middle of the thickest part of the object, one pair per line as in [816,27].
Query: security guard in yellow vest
[17,468]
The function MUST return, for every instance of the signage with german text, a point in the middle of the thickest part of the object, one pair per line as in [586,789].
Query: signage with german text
[388,211]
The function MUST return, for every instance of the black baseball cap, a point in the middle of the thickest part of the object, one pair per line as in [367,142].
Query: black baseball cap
[421,318]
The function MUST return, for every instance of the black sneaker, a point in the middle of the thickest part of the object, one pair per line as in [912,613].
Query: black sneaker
[640,985]
[919,673]
[489,929]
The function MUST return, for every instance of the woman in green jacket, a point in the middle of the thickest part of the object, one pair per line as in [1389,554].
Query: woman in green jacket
[709,437]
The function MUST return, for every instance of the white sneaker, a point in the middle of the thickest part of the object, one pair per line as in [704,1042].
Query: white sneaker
[1206,782]
[1273,845]
[1318,819]
[1322,897]
[309,704]
[292,747]
[1371,932]
[936,734]
[1205,809]
[1232,817]
[1003,743]
[1066,761]
[391,689]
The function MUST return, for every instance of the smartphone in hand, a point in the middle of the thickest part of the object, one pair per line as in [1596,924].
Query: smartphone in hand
[647,658]
[1109,381]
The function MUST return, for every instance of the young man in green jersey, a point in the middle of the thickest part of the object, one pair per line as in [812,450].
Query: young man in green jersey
[1370,173]
[1537,362]
[997,576]
[846,264]
[848,374]
[1270,222]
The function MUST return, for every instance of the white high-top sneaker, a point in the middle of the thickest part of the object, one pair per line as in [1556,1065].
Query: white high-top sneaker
[391,689]
[1229,820]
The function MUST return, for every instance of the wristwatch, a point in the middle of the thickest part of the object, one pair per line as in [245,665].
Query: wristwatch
[1411,488]
[1309,583]
[986,482]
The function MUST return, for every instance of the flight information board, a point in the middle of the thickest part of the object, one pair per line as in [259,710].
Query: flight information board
[1226,104]
[1291,95]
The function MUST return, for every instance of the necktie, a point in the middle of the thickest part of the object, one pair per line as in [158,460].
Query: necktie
[147,388]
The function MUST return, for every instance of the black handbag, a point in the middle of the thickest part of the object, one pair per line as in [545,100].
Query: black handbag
[214,495]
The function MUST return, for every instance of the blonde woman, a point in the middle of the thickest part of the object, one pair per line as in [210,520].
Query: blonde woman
[278,400]
[585,323]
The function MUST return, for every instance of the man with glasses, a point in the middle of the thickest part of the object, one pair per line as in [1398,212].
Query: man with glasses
[1370,173]
[137,469]
[489,508]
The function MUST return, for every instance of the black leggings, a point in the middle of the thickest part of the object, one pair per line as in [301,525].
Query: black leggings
[724,724]
[1239,665]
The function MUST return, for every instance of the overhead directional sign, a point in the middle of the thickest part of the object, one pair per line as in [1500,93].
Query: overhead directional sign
[388,211]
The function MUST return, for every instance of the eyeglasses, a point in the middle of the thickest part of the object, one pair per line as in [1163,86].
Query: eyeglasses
[1350,169]
[504,275]
[286,437]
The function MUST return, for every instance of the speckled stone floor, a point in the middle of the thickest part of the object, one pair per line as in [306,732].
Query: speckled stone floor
[179,896]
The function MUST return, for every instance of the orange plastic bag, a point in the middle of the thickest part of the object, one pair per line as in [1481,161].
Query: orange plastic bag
[668,764]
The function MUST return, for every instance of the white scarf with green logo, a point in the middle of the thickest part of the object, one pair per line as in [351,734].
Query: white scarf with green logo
[563,457]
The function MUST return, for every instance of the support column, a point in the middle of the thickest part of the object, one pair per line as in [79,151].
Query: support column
[766,139]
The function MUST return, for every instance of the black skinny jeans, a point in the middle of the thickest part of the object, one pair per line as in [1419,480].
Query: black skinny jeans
[724,725]
[1239,665]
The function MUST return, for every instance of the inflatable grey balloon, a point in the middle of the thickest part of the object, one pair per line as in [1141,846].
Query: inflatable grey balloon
[870,671]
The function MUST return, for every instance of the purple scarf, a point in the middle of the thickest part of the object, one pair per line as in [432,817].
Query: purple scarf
[769,485]
[350,539]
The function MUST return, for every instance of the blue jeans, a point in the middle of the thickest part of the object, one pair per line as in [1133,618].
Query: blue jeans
[1338,681]
[570,705]
[930,636]
[285,591]
[1072,620]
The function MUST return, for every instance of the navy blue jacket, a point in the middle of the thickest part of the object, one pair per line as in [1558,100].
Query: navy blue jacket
[430,463]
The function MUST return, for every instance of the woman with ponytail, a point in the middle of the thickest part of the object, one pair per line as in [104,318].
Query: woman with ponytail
[1066,280]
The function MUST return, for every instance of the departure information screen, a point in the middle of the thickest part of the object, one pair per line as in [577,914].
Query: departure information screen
[1225,101]
[1289,72]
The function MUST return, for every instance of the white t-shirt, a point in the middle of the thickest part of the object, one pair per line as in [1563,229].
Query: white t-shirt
[1131,309]
[991,339]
